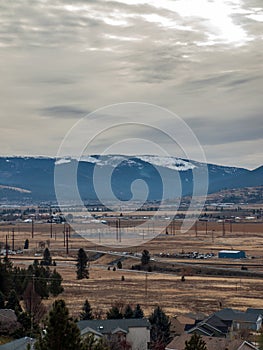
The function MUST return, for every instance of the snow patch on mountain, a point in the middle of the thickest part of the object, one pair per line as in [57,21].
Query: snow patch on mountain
[108,160]
[90,159]
[62,161]
[168,162]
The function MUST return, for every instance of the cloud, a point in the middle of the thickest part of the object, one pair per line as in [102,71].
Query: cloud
[63,58]
[63,112]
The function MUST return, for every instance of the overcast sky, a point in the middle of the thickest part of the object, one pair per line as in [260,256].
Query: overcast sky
[200,59]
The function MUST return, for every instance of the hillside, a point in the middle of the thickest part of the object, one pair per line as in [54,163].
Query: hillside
[30,178]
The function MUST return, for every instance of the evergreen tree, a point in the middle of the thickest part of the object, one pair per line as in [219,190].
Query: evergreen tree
[86,314]
[5,276]
[195,343]
[55,287]
[13,302]
[18,278]
[145,257]
[61,332]
[91,343]
[82,261]
[138,313]
[160,330]
[128,312]
[41,278]
[114,313]
[26,244]
[47,260]
[260,341]
[25,326]
[2,300]
[119,264]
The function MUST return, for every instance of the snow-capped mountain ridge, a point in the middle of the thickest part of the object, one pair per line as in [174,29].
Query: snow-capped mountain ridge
[36,175]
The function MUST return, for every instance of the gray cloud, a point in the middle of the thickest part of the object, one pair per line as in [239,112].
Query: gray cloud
[63,58]
[63,112]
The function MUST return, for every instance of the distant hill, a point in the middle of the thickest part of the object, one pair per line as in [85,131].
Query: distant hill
[31,178]
[251,195]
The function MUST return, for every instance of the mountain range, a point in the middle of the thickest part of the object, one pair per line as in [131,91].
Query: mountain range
[32,178]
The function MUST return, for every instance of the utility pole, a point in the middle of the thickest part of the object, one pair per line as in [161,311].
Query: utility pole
[119,220]
[231,228]
[31,303]
[13,239]
[32,228]
[118,226]
[223,228]
[6,247]
[67,251]
[196,229]
[51,226]
[146,285]
[64,235]
[206,227]
[51,229]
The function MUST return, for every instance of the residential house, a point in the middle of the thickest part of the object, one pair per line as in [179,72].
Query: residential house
[134,331]
[179,324]
[212,343]
[239,320]
[212,326]
[18,344]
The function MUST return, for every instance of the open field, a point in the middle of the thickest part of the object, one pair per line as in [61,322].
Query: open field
[197,294]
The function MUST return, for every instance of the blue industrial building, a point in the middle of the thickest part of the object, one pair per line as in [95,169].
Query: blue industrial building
[231,254]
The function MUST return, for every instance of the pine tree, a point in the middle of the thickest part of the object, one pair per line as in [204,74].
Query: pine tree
[47,260]
[25,330]
[55,287]
[13,302]
[195,343]
[2,300]
[114,313]
[86,314]
[128,312]
[82,261]
[260,341]
[5,276]
[26,244]
[138,313]
[41,277]
[119,264]
[91,343]
[61,332]
[160,331]
[145,257]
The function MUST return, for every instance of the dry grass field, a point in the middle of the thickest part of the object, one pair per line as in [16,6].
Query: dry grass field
[196,294]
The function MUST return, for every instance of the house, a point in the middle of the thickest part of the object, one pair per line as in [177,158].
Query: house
[226,321]
[239,320]
[179,324]
[231,254]
[18,344]
[212,326]
[254,311]
[212,343]
[135,331]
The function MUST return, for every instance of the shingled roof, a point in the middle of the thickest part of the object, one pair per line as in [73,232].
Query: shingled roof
[18,344]
[109,326]
[212,343]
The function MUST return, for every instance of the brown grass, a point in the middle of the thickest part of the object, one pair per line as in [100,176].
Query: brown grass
[197,293]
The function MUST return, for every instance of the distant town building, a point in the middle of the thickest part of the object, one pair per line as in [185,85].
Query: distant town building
[231,254]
